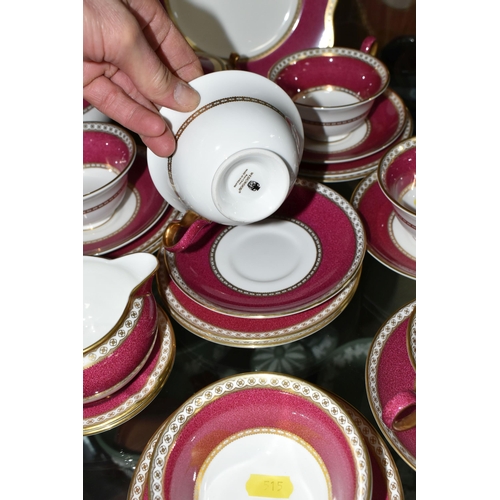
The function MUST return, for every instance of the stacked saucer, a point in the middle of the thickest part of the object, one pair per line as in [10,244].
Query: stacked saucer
[292,435]
[358,154]
[138,223]
[271,282]
[128,340]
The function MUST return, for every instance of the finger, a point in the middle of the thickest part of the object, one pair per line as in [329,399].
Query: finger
[135,56]
[161,146]
[169,44]
[110,98]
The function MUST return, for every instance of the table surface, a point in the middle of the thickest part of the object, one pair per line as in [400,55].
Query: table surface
[109,458]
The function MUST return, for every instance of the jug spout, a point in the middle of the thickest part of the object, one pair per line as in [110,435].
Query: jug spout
[109,289]
[142,268]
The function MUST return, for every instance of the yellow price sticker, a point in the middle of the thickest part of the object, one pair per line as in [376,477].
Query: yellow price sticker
[261,485]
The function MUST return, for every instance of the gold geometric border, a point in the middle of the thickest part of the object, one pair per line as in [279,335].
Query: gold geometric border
[267,380]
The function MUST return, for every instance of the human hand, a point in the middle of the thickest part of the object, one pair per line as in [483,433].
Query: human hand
[134,62]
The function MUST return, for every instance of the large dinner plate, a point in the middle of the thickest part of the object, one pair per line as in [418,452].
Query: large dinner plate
[234,434]
[303,255]
[254,34]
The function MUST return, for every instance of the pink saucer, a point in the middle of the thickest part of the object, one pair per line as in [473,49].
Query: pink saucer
[387,241]
[145,204]
[250,36]
[389,371]
[124,404]
[150,241]
[351,169]
[329,224]
[386,482]
[248,332]
[384,124]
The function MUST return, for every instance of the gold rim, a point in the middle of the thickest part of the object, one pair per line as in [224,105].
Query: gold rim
[266,380]
[218,337]
[137,402]
[373,358]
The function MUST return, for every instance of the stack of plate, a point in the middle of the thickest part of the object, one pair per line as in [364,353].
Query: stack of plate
[131,399]
[272,282]
[264,434]
[358,154]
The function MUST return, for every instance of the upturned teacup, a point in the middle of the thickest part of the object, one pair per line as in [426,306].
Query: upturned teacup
[397,177]
[237,154]
[119,321]
[108,154]
[333,88]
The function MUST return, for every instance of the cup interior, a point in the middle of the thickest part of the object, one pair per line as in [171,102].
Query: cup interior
[331,78]
[108,152]
[398,175]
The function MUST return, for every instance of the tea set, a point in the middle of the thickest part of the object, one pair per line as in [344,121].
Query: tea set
[247,247]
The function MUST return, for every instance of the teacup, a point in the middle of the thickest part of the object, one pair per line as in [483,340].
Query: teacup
[108,154]
[399,413]
[411,338]
[119,321]
[397,177]
[237,154]
[92,114]
[333,88]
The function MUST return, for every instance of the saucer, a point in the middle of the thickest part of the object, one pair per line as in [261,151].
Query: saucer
[388,371]
[258,33]
[126,403]
[150,241]
[303,255]
[353,169]
[249,332]
[384,124]
[139,210]
[387,240]
[251,427]
[385,475]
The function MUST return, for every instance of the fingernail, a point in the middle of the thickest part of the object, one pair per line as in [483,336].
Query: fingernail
[186,96]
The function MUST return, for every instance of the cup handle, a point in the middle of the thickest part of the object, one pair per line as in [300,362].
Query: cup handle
[180,233]
[369,45]
[400,412]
